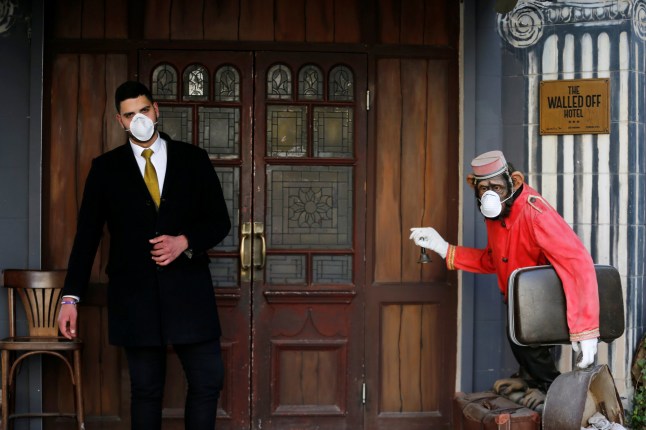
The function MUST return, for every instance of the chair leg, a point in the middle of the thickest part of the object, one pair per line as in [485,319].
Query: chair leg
[6,398]
[78,391]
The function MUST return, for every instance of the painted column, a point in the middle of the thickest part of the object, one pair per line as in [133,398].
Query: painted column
[596,181]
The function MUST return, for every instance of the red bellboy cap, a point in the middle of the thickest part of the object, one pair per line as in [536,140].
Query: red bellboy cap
[488,165]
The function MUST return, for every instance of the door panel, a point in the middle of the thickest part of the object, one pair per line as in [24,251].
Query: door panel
[309,152]
[205,98]
[411,308]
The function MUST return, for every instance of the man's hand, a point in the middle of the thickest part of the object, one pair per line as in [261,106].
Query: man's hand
[167,248]
[588,348]
[428,238]
[67,321]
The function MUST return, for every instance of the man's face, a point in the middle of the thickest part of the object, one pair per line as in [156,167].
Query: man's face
[497,184]
[130,107]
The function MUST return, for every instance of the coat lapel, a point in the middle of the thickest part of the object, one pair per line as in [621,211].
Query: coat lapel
[170,178]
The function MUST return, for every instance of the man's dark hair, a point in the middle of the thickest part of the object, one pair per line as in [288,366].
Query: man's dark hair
[131,90]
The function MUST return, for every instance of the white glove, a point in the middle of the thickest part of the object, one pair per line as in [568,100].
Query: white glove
[588,349]
[428,238]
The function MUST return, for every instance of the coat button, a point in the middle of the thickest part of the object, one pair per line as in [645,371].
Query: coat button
[504,259]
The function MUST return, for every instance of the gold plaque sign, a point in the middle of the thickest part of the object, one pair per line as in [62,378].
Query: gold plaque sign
[575,106]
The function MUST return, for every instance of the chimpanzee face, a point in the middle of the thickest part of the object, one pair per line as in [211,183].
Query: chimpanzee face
[497,184]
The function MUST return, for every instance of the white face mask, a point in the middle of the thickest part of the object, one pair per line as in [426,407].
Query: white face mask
[491,205]
[142,128]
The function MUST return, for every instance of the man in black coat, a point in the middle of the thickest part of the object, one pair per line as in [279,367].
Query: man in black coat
[164,210]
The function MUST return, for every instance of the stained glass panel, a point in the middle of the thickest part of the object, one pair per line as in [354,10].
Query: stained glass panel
[230,182]
[177,122]
[164,85]
[227,84]
[309,207]
[279,83]
[220,132]
[224,272]
[286,131]
[332,133]
[341,86]
[285,270]
[196,83]
[332,269]
[310,83]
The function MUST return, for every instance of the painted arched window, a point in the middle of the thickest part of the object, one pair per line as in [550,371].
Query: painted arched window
[196,83]
[279,83]
[227,84]
[341,84]
[310,83]
[164,82]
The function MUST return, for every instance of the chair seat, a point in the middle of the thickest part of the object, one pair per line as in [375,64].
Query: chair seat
[31,343]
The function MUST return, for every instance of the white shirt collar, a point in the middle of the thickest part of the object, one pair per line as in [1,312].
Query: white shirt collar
[137,150]
[159,158]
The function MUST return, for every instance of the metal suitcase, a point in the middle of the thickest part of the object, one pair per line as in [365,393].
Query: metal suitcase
[537,309]
[487,410]
[575,396]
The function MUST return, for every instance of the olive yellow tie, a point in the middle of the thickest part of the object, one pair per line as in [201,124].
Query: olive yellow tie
[150,176]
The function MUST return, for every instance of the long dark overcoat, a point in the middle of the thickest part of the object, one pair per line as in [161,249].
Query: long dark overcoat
[147,304]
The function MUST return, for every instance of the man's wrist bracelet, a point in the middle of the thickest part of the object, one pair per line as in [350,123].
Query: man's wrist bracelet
[68,302]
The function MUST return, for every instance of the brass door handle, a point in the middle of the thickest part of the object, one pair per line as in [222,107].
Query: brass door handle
[245,255]
[259,232]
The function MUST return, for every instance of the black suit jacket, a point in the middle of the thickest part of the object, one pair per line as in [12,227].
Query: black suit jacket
[147,304]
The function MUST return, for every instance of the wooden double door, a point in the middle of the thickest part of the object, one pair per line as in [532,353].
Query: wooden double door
[286,135]
[328,320]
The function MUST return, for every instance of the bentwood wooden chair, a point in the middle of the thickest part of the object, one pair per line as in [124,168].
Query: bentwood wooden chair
[40,294]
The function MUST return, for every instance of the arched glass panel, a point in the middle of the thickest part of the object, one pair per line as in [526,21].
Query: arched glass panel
[341,84]
[227,84]
[196,83]
[164,85]
[310,83]
[279,83]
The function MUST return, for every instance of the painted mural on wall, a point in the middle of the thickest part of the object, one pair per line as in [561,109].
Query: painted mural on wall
[596,181]
[526,24]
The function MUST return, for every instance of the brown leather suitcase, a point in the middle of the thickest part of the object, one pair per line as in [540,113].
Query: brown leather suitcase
[537,309]
[487,410]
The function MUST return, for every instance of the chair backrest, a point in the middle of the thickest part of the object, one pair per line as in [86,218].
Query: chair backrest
[40,293]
